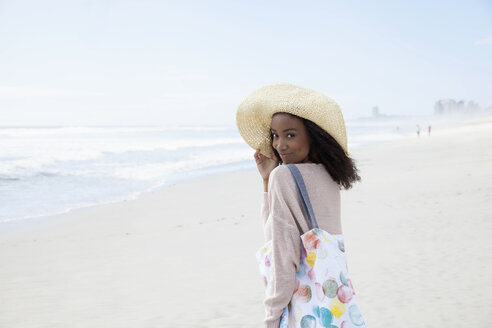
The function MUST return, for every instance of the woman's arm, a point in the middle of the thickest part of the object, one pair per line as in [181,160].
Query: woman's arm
[281,229]
[265,208]
[284,262]
[265,185]
[265,166]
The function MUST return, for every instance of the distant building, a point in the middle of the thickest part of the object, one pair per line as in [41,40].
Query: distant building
[375,111]
[451,106]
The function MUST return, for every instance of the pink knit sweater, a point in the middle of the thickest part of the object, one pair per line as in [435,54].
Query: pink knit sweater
[280,205]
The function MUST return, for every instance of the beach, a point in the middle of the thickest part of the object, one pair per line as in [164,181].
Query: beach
[416,235]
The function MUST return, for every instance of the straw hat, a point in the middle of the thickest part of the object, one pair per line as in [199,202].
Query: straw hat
[254,115]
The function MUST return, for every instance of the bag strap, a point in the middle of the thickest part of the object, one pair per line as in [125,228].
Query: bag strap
[303,194]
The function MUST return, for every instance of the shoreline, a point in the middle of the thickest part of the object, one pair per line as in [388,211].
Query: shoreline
[416,234]
[18,223]
[443,123]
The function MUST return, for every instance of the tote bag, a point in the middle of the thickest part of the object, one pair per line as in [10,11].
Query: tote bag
[324,294]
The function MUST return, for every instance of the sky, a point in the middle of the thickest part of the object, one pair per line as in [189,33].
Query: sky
[184,62]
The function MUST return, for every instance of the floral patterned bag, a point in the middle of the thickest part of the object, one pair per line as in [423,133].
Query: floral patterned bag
[324,295]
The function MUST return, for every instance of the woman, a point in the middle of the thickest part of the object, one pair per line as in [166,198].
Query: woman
[306,277]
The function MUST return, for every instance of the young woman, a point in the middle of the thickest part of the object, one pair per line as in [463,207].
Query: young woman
[306,278]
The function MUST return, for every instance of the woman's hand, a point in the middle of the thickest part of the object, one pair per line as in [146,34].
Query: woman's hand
[265,165]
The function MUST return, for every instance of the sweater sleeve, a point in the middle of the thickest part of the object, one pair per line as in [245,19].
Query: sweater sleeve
[281,229]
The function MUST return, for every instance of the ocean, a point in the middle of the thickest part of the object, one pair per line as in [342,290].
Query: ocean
[53,169]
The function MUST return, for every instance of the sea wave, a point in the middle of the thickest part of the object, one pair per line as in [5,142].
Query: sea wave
[195,161]
[94,130]
[32,157]
[6,178]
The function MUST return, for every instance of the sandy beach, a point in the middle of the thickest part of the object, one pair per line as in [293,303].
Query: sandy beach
[416,234]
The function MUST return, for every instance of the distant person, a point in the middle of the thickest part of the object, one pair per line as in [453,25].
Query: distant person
[397,129]
[429,130]
[301,145]
[418,130]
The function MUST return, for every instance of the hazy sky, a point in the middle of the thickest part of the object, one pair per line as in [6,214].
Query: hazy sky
[192,62]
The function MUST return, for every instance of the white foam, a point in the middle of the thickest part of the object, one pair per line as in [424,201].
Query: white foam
[196,161]
[33,154]
[86,130]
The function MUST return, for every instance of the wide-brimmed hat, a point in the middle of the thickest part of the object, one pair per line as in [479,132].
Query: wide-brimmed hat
[254,115]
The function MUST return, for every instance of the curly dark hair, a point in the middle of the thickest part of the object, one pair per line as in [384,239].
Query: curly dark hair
[326,150]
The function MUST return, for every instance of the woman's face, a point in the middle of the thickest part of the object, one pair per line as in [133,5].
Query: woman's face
[290,138]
